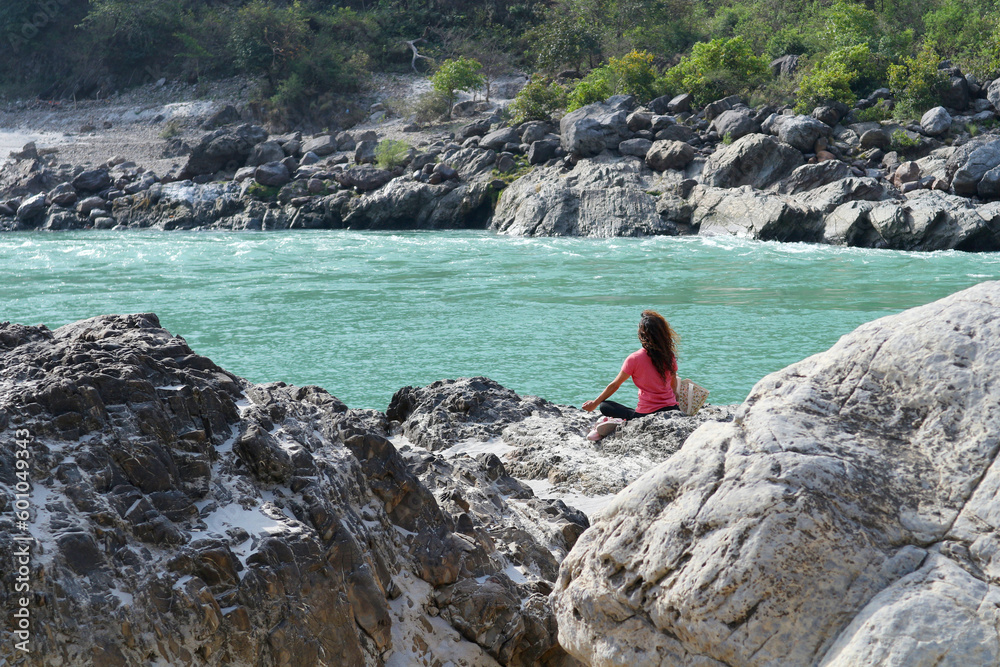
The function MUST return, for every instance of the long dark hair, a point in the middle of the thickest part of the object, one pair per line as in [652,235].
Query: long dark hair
[659,341]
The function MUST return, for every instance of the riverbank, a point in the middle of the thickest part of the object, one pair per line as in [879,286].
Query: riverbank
[608,169]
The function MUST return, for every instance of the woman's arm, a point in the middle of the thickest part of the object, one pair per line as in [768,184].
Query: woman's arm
[590,406]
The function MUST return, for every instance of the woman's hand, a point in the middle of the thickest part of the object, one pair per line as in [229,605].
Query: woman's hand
[590,406]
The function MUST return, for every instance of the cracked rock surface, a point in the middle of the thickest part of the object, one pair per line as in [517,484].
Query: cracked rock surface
[846,516]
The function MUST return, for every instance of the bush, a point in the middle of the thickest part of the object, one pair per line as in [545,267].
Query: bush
[537,101]
[716,69]
[848,24]
[430,106]
[597,86]
[632,74]
[457,75]
[841,76]
[391,153]
[917,82]
[879,112]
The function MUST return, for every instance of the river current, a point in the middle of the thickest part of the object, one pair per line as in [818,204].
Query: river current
[365,313]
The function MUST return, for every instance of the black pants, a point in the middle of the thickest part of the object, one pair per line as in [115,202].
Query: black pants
[612,409]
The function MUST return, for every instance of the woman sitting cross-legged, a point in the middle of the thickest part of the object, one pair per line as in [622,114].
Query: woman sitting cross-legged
[653,369]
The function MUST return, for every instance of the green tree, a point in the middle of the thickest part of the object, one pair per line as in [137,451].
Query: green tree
[537,100]
[716,69]
[461,74]
[917,82]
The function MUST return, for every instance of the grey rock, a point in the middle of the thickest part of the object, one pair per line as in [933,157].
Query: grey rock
[676,133]
[679,103]
[935,122]
[800,132]
[63,195]
[989,186]
[663,155]
[734,124]
[272,174]
[934,220]
[347,142]
[993,94]
[753,214]
[268,151]
[784,66]
[810,176]
[363,179]
[225,149]
[980,160]
[594,128]
[322,145]
[639,120]
[636,147]
[956,94]
[715,109]
[541,152]
[505,163]
[875,139]
[32,208]
[364,152]
[91,204]
[93,180]
[533,131]
[476,128]
[736,505]
[756,159]
[499,139]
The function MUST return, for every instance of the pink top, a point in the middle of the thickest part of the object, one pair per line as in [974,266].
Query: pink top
[654,393]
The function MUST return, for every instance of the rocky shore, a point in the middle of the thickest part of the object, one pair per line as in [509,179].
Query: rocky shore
[607,169]
[843,515]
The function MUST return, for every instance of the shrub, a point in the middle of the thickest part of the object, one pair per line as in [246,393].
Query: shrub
[457,75]
[786,41]
[430,106]
[632,74]
[848,24]
[902,141]
[391,153]
[962,31]
[916,82]
[840,76]
[716,69]
[537,101]
[597,86]
[879,112]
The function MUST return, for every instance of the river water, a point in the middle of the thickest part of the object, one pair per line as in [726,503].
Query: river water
[365,313]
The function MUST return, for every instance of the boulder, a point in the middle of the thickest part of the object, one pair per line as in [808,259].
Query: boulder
[993,94]
[732,125]
[639,120]
[322,145]
[800,132]
[268,151]
[533,131]
[603,196]
[92,180]
[63,195]
[853,495]
[87,206]
[934,220]
[364,152]
[875,139]
[784,66]
[714,109]
[956,94]
[363,179]
[756,159]
[347,142]
[663,155]
[272,175]
[227,115]
[499,139]
[476,128]
[594,128]
[32,208]
[989,186]
[935,122]
[810,176]
[541,152]
[749,213]
[226,148]
[827,114]
[637,147]
[980,160]
[675,132]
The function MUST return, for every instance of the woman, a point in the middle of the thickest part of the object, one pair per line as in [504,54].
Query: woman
[653,369]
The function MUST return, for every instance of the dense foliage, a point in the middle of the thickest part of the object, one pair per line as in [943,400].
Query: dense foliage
[310,51]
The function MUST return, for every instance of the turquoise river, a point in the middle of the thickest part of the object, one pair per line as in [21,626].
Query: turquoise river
[363,313]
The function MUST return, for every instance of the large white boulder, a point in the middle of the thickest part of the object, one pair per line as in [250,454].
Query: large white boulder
[848,516]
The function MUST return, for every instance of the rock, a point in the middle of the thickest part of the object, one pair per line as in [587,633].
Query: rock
[639,120]
[28,152]
[272,174]
[31,209]
[224,116]
[594,128]
[676,133]
[827,115]
[716,108]
[989,186]
[223,149]
[980,160]
[268,151]
[364,152]
[907,172]
[935,122]
[498,139]
[602,196]
[660,105]
[541,152]
[732,125]
[663,155]
[476,128]
[956,94]
[91,204]
[309,158]
[756,160]
[363,179]
[679,103]
[800,132]
[875,139]
[505,163]
[741,506]
[636,147]
[810,176]
[62,195]
[784,66]
[347,142]
[533,131]
[933,220]
[322,145]
[93,180]
[748,213]
[447,171]
[848,225]
[993,94]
